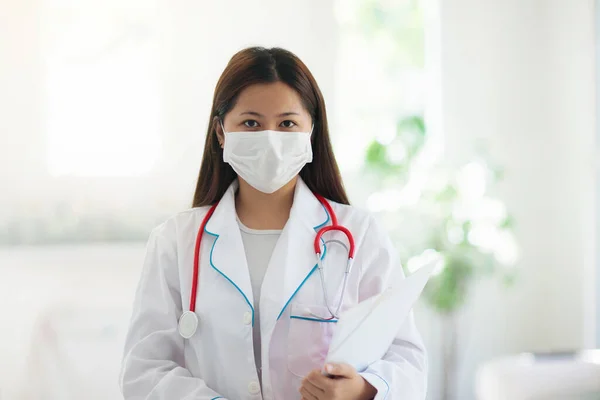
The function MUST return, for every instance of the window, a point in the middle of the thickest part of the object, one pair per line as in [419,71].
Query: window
[100,131]
[102,98]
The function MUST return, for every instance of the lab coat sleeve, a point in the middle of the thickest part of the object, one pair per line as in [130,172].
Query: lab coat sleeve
[402,373]
[153,365]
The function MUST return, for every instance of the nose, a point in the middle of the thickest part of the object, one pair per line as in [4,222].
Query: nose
[271,126]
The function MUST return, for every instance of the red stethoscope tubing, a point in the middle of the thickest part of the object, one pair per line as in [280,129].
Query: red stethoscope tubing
[333,227]
[197,256]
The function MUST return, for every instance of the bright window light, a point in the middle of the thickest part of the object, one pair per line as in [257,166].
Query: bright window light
[103,108]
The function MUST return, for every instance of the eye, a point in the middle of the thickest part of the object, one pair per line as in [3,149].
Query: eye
[288,124]
[251,123]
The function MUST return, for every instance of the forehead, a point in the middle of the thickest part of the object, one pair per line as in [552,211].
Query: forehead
[269,99]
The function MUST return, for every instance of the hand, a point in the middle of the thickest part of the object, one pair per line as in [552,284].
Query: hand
[344,383]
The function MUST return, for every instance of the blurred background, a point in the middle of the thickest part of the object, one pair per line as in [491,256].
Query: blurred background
[467,126]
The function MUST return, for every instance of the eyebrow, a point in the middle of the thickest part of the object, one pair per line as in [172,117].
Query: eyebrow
[285,114]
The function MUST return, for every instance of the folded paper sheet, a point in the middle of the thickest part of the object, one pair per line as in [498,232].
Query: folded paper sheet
[365,332]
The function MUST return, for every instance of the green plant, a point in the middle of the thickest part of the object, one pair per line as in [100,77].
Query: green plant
[435,212]
[399,23]
[450,220]
[464,230]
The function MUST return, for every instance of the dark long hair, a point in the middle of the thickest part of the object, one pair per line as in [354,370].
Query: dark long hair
[259,65]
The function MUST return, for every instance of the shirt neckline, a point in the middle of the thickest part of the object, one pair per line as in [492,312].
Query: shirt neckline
[251,231]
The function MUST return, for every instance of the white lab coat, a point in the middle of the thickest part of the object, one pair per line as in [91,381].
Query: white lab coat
[218,361]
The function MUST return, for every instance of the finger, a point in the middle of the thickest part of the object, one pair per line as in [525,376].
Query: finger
[306,395]
[319,380]
[312,389]
[340,370]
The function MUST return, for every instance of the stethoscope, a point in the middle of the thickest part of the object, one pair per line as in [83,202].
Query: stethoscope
[188,322]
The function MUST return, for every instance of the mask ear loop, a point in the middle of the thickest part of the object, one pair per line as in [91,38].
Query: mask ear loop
[223,129]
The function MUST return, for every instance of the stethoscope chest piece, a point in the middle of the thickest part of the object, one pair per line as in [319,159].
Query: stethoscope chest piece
[188,324]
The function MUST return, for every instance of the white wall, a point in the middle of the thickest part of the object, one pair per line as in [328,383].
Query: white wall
[21,92]
[594,268]
[520,74]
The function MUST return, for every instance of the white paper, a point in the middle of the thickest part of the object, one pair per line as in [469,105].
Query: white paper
[365,332]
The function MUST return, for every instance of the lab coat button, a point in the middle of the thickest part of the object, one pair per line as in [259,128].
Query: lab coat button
[247,318]
[253,387]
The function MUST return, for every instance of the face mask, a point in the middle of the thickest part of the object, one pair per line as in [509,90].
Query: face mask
[267,160]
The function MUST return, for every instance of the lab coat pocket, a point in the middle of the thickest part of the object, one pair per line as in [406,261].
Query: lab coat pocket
[308,338]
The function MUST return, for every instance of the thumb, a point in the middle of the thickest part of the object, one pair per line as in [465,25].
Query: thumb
[340,370]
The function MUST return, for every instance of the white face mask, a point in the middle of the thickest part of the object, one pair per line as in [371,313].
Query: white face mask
[267,160]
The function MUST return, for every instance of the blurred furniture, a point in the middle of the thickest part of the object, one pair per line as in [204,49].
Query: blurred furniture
[75,353]
[555,376]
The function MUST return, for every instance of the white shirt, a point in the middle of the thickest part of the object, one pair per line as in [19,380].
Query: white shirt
[258,246]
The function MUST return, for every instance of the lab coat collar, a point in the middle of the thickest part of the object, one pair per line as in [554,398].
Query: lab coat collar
[227,256]
[225,215]
[306,209]
[293,259]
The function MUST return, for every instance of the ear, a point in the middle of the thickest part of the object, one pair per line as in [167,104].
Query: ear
[312,132]
[219,131]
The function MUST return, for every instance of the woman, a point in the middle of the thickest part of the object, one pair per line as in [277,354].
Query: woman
[262,317]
